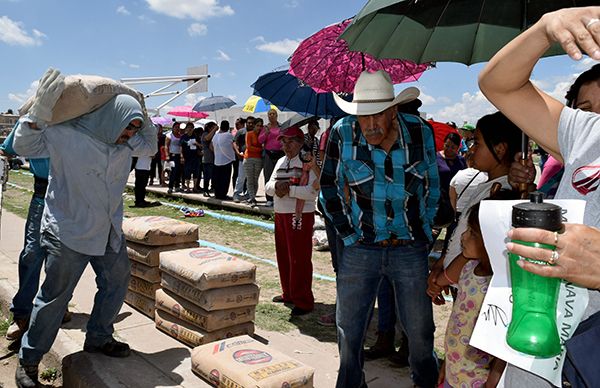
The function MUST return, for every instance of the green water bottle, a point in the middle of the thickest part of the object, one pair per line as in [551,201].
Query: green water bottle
[532,329]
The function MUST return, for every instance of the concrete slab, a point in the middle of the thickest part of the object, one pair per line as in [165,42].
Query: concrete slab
[157,360]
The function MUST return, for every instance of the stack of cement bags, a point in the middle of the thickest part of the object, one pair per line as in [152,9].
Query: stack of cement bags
[245,362]
[206,295]
[146,238]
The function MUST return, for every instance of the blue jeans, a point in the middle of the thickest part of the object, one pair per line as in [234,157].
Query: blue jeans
[30,261]
[361,269]
[386,320]
[63,270]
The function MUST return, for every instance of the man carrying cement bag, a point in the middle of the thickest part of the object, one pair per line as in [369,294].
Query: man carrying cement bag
[90,158]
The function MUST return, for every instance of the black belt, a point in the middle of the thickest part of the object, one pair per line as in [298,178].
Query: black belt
[39,186]
[390,242]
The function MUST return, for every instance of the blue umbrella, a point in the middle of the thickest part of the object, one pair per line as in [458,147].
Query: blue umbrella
[288,93]
[213,103]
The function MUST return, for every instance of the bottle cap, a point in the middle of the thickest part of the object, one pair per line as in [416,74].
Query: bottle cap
[537,214]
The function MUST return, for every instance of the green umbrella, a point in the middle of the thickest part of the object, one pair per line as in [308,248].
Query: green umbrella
[465,31]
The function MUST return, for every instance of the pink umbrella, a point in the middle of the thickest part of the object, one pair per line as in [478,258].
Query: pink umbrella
[186,111]
[159,120]
[325,63]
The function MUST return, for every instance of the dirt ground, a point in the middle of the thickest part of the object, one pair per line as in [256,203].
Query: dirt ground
[8,364]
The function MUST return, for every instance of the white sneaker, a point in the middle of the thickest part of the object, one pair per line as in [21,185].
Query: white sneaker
[269,204]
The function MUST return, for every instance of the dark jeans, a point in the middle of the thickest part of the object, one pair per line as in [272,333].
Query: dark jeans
[141,181]
[207,169]
[31,260]
[236,168]
[175,177]
[361,269]
[156,166]
[221,180]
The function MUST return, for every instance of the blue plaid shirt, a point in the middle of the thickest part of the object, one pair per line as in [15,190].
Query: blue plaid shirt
[370,194]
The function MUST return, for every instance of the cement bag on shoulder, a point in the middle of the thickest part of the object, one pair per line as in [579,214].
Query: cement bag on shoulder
[84,94]
[245,362]
[150,255]
[206,268]
[159,230]
[193,335]
[206,320]
[216,298]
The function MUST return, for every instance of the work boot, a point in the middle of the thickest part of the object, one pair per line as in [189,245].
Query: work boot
[383,347]
[17,329]
[112,348]
[26,376]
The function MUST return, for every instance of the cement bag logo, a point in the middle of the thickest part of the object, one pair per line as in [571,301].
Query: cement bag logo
[214,377]
[252,356]
[586,179]
[204,253]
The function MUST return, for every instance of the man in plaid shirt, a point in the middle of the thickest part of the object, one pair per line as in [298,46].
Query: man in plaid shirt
[380,188]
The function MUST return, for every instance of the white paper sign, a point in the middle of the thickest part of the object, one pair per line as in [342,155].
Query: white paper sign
[489,334]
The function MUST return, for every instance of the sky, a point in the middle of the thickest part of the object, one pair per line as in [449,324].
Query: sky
[239,40]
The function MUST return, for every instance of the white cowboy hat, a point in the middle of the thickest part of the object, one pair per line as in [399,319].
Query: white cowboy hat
[374,93]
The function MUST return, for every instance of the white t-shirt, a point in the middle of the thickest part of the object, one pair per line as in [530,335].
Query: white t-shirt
[481,192]
[223,147]
[471,177]
[175,143]
[579,141]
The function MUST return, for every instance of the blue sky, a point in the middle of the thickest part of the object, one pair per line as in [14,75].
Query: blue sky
[238,39]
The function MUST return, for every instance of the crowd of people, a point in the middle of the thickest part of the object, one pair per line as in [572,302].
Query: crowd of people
[378,180]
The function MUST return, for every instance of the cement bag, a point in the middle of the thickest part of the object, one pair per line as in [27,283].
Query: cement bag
[143,287]
[206,268]
[245,362]
[145,272]
[152,230]
[150,255]
[84,94]
[209,321]
[141,303]
[193,335]
[216,298]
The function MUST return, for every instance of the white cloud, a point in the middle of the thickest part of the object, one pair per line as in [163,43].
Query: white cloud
[471,107]
[232,96]
[146,19]
[193,9]
[282,47]
[122,10]
[197,29]
[20,98]
[130,65]
[292,4]
[12,33]
[222,56]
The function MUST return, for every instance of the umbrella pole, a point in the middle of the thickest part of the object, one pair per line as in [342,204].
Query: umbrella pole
[524,187]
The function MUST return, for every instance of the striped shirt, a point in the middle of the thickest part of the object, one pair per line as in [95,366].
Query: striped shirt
[371,195]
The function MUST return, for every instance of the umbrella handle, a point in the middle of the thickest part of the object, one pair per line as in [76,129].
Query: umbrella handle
[524,187]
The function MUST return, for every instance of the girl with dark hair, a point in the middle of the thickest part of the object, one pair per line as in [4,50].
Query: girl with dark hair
[496,142]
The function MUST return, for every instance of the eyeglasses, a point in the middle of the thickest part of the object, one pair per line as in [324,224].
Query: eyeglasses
[132,127]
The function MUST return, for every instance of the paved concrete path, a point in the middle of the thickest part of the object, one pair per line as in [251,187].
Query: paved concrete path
[158,360]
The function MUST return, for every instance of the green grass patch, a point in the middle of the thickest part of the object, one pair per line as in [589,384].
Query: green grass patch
[273,317]
[49,374]
[4,325]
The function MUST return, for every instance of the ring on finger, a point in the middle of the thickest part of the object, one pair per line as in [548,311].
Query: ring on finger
[592,22]
[555,238]
[554,257]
